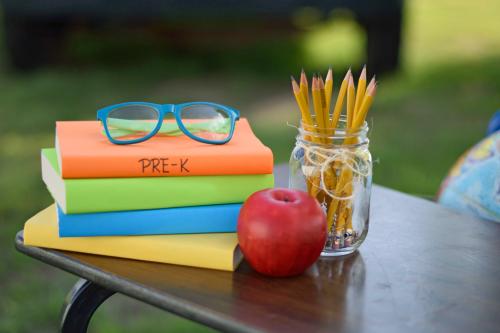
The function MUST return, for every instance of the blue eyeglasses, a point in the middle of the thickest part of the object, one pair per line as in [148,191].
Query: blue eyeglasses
[134,122]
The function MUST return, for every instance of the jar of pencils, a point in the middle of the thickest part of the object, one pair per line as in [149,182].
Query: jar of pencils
[334,165]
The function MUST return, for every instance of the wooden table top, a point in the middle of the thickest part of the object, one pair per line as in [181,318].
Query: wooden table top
[422,268]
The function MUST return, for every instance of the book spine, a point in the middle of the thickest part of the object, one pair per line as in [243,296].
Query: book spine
[216,251]
[118,194]
[167,165]
[186,220]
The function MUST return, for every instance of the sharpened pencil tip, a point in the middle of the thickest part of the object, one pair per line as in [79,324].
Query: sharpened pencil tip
[303,78]
[348,74]
[372,81]
[346,77]
[372,87]
[295,86]
[363,73]
[321,83]
[329,75]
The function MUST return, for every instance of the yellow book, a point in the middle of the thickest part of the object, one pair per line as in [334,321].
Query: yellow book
[216,250]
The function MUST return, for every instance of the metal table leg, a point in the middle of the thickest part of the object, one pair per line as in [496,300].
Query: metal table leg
[80,305]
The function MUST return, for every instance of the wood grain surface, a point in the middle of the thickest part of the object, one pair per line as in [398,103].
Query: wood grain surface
[422,268]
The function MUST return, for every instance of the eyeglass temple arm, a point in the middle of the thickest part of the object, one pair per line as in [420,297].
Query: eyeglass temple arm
[99,114]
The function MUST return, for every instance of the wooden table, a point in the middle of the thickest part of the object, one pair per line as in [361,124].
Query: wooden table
[422,268]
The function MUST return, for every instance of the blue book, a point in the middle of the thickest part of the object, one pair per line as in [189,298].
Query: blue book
[181,220]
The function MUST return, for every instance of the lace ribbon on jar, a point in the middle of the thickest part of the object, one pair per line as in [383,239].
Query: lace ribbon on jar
[319,160]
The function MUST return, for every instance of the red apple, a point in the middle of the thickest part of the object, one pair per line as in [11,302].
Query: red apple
[281,231]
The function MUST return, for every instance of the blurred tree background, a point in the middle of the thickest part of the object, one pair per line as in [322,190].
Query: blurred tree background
[433,108]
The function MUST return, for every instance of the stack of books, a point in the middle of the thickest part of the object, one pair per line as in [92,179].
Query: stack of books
[168,199]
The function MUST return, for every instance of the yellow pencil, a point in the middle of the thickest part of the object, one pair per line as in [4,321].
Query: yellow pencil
[304,110]
[330,214]
[318,111]
[360,94]
[339,103]
[360,91]
[339,226]
[348,233]
[304,87]
[328,93]
[350,101]
[313,184]
[367,103]
[324,110]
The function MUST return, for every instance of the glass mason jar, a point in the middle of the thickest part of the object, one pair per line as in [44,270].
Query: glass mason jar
[335,167]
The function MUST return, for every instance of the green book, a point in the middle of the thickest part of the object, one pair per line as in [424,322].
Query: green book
[88,195]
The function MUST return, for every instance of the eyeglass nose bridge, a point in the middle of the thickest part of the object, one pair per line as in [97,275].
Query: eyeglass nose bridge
[168,108]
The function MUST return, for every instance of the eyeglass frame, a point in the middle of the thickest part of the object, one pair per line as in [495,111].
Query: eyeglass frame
[162,109]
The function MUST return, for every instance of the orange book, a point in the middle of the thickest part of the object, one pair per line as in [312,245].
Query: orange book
[83,151]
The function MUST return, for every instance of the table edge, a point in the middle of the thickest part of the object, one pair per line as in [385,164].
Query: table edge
[137,291]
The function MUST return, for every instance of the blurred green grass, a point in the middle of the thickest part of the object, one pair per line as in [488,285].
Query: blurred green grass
[437,106]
